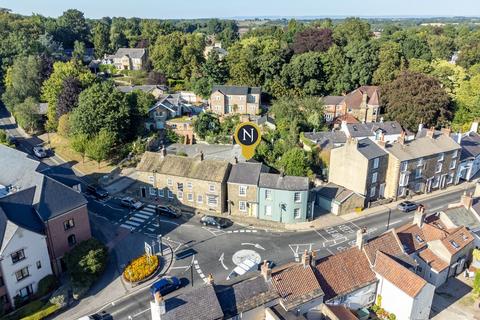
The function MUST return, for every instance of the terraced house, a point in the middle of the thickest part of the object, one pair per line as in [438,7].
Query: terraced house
[196,183]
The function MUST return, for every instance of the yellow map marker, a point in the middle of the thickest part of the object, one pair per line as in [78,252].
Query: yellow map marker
[248,136]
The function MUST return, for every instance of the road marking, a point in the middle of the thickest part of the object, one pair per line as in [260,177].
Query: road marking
[395,222]
[256,245]
[137,219]
[131,223]
[321,235]
[222,257]
[142,216]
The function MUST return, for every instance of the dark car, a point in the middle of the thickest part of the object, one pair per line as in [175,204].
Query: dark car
[168,211]
[165,285]
[218,222]
[407,206]
[131,203]
[97,191]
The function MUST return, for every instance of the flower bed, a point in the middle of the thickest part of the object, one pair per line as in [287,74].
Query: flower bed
[140,268]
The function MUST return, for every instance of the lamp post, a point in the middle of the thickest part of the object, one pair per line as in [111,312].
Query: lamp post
[160,244]
[282,205]
[389,214]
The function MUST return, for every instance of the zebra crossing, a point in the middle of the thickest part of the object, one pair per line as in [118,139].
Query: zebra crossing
[137,220]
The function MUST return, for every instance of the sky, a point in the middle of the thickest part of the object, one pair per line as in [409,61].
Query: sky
[163,9]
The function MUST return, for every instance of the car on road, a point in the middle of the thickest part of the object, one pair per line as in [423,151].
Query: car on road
[39,151]
[131,203]
[97,191]
[168,211]
[165,285]
[102,316]
[407,206]
[217,222]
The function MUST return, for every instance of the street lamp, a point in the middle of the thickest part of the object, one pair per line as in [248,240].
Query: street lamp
[389,214]
[160,244]
[282,206]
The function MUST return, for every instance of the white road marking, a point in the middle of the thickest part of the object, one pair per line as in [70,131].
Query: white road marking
[395,222]
[137,219]
[222,257]
[131,223]
[142,216]
[321,235]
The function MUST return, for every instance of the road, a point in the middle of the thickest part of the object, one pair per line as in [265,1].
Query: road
[209,250]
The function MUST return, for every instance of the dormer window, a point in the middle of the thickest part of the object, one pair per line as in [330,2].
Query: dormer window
[418,238]
[454,244]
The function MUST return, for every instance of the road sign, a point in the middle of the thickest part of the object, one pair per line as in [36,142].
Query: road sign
[148,249]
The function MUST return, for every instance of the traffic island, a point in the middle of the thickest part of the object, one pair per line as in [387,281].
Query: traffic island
[141,269]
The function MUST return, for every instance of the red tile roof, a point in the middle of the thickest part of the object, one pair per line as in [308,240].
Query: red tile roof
[411,237]
[387,243]
[433,260]
[354,99]
[341,312]
[348,118]
[457,240]
[401,277]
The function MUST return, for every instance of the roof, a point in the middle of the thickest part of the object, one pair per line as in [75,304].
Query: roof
[144,88]
[461,216]
[470,145]
[194,168]
[370,149]
[277,181]
[411,237]
[422,146]
[433,260]
[237,90]
[172,102]
[210,151]
[341,312]
[296,284]
[326,139]
[332,100]
[401,277]
[457,240]
[336,192]
[389,244]
[265,119]
[344,272]
[354,99]
[348,118]
[198,304]
[134,53]
[368,129]
[246,173]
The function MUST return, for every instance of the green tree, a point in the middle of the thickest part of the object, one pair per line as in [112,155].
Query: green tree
[139,103]
[79,50]
[351,30]
[3,137]
[26,114]
[442,46]
[101,37]
[68,97]
[207,124]
[361,61]
[419,66]
[476,283]
[414,98]
[79,144]
[295,162]
[390,62]
[71,26]
[99,148]
[468,102]
[304,74]
[334,62]
[450,75]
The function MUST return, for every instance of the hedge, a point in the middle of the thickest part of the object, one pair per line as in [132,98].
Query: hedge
[47,310]
[140,268]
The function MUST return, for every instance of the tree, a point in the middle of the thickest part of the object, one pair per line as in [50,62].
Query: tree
[468,102]
[3,137]
[64,125]
[139,103]
[334,62]
[415,47]
[450,75]
[79,50]
[351,29]
[68,97]
[206,124]
[419,66]
[304,74]
[99,148]
[101,106]
[313,39]
[71,27]
[26,114]
[155,77]
[215,69]
[295,162]
[101,37]
[390,62]
[79,144]
[304,113]
[414,98]
[361,62]
[442,46]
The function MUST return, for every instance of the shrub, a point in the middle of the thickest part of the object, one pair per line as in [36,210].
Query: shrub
[44,312]
[63,128]
[60,296]
[140,268]
[79,291]
[47,285]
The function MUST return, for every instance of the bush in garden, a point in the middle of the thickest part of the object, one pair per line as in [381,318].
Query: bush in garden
[141,268]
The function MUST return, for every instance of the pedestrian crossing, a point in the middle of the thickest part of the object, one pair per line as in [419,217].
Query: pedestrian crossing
[138,219]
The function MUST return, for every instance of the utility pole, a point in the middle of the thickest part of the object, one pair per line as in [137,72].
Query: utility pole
[160,244]
[191,274]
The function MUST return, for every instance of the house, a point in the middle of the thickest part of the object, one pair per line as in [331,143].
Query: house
[242,188]
[129,58]
[363,103]
[326,140]
[217,47]
[332,107]
[361,166]
[284,198]
[196,183]
[389,131]
[64,219]
[338,200]
[338,312]
[23,247]
[223,152]
[226,100]
[183,127]
[469,164]
[167,107]
[156,90]
[191,97]
[426,163]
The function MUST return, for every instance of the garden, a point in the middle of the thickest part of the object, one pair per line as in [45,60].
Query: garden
[141,268]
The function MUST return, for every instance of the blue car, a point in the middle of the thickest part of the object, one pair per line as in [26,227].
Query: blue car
[165,285]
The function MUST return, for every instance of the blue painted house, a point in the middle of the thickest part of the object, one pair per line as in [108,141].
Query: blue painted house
[283,198]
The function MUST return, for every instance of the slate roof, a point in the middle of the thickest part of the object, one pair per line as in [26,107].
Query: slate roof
[134,53]
[369,129]
[210,151]
[332,100]
[370,149]
[246,173]
[461,216]
[144,88]
[326,139]
[198,304]
[237,90]
[470,145]
[401,277]
[279,182]
[336,192]
[265,119]
[194,168]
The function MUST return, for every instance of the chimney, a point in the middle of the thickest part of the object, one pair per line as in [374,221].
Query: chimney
[474,126]
[476,193]
[157,307]
[163,151]
[266,271]
[235,160]
[361,238]
[401,139]
[466,200]
[313,260]
[202,157]
[364,99]
[431,132]
[419,216]
[420,127]
[447,131]
[306,259]
[459,137]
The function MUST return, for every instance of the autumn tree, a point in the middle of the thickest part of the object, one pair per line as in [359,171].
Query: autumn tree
[68,97]
[313,39]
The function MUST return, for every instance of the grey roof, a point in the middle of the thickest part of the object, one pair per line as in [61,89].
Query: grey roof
[210,151]
[237,90]
[326,139]
[332,191]
[277,181]
[422,146]
[461,216]
[172,102]
[368,129]
[134,53]
[370,149]
[198,304]
[333,100]
[470,145]
[144,88]
[246,173]
[264,119]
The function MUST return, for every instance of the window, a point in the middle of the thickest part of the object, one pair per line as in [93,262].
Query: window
[268,194]
[403,166]
[376,162]
[453,164]
[418,173]
[39,264]
[242,206]
[455,154]
[151,179]
[373,190]
[211,187]
[450,177]
[441,156]
[190,197]
[180,195]
[153,191]
[170,194]
[374,177]
[438,167]
[69,224]
[404,177]
[25,292]
[72,240]
[436,181]
[22,274]
[296,213]
[268,210]
[212,201]
[18,256]
[200,198]
[169,182]
[161,192]
[242,191]
[297,197]
[180,186]
[189,185]
[420,162]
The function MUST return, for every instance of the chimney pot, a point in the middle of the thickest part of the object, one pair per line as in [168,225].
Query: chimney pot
[467,200]
[447,131]
[419,216]
[266,271]
[361,238]
[431,132]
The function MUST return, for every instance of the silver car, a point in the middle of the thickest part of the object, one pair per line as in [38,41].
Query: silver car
[131,203]
[39,151]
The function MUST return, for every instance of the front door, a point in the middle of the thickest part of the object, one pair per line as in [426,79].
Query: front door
[254,210]
[144,192]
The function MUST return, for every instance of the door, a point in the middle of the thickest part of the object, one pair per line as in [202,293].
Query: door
[381,191]
[144,192]
[254,210]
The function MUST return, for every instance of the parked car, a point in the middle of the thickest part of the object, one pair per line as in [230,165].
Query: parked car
[165,285]
[97,191]
[39,151]
[218,222]
[407,206]
[131,203]
[102,316]
[168,211]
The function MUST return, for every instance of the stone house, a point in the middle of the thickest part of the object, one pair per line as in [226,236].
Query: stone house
[183,127]
[242,188]
[388,131]
[470,156]
[128,58]
[196,183]
[332,107]
[421,165]
[361,166]
[168,107]
[158,91]
[284,199]
[226,100]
